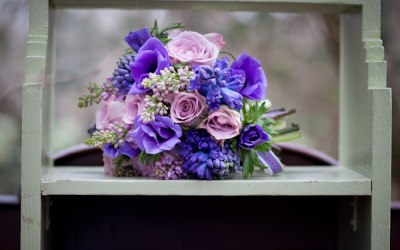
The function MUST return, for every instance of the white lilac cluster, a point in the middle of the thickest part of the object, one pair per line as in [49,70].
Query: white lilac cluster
[164,87]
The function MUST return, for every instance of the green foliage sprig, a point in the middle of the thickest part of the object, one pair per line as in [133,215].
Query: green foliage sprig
[250,162]
[101,137]
[252,112]
[149,158]
[120,160]
[94,96]
[163,34]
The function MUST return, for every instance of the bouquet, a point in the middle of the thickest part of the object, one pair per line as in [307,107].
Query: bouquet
[176,107]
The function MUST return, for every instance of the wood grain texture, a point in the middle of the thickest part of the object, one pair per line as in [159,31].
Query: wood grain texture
[293,181]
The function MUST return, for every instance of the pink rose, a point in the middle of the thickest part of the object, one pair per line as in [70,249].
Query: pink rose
[109,112]
[133,107]
[187,107]
[193,48]
[222,124]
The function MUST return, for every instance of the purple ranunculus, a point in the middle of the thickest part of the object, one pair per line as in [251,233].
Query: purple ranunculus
[251,136]
[159,135]
[152,57]
[255,87]
[137,38]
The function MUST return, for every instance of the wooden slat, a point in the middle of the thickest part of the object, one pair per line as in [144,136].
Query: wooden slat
[381,160]
[293,181]
[238,5]
[31,219]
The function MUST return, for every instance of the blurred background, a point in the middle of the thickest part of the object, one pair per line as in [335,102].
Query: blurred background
[299,53]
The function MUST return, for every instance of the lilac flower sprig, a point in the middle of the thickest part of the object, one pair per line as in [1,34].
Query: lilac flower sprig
[169,167]
[153,106]
[97,93]
[170,81]
[114,134]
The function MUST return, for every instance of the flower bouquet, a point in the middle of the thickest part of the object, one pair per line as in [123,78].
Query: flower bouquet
[173,108]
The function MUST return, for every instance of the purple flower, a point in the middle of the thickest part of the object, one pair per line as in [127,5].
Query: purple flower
[110,151]
[125,149]
[219,84]
[156,136]
[137,38]
[251,136]
[256,82]
[204,158]
[151,58]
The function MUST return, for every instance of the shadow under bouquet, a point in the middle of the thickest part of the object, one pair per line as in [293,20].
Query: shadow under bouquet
[175,108]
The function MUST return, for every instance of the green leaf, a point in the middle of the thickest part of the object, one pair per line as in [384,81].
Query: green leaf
[253,112]
[129,51]
[163,34]
[121,159]
[179,65]
[173,26]
[250,161]
[248,167]
[293,128]
[256,162]
[233,144]
[287,137]
[149,158]
[265,147]
[154,30]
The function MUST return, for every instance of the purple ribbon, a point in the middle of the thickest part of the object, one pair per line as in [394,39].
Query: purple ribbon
[269,159]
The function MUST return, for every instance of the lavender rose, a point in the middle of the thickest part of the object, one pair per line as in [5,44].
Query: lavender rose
[110,111]
[193,48]
[133,106]
[152,57]
[222,124]
[137,38]
[251,136]
[187,107]
[255,87]
[156,136]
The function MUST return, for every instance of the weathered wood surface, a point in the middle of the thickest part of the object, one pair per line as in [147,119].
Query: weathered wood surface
[330,6]
[293,181]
